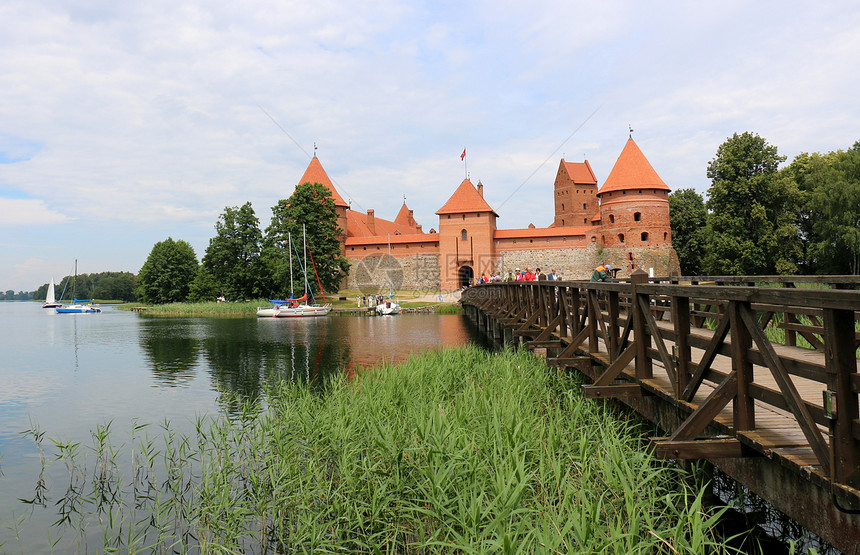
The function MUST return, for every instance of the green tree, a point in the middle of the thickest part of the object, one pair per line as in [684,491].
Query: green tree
[688,218]
[830,228]
[204,287]
[752,211]
[167,274]
[114,286]
[233,255]
[311,205]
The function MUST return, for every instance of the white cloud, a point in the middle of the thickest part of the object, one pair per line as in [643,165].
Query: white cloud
[29,212]
[147,115]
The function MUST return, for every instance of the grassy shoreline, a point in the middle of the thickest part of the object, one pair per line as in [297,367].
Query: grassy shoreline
[249,308]
[458,450]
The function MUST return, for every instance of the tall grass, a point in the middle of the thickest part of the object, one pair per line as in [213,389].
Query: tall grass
[457,451]
[248,308]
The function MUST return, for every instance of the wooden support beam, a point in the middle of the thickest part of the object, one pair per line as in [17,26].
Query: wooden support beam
[545,343]
[613,391]
[583,364]
[717,448]
[792,397]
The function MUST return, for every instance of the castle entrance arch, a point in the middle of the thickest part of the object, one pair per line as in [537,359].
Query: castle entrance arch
[466,276]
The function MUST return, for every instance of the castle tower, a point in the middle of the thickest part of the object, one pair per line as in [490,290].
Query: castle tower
[316,174]
[467,225]
[575,194]
[634,203]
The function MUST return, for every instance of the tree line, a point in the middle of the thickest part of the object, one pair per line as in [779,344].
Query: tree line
[109,286]
[244,262]
[760,219]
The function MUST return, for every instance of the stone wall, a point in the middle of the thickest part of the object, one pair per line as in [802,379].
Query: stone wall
[578,263]
[380,272]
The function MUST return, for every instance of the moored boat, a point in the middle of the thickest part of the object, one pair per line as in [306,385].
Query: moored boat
[297,307]
[50,297]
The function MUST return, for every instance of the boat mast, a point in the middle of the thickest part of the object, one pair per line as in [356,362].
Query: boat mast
[290,238]
[305,249]
[75,283]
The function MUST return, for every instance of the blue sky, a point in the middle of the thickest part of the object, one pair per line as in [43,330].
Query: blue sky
[124,123]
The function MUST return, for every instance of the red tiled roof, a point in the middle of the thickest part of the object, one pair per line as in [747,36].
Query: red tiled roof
[580,172]
[414,238]
[316,174]
[356,225]
[632,171]
[466,199]
[559,231]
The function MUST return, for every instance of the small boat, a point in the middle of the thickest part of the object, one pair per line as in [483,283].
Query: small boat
[50,297]
[78,306]
[298,307]
[293,308]
[389,307]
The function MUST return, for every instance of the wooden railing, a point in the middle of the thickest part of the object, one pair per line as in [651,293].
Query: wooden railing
[702,343]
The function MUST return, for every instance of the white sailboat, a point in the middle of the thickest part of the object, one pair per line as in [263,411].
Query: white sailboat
[78,306]
[50,297]
[294,307]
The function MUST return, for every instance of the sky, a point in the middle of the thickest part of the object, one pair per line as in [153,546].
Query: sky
[125,123]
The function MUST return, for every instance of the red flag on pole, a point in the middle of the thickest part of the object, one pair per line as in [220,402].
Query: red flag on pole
[463,156]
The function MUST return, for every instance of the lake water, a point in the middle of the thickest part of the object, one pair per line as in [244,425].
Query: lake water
[66,374]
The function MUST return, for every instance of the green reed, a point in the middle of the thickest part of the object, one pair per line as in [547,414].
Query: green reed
[452,451]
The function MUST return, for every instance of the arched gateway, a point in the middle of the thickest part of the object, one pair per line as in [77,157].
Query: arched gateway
[467,276]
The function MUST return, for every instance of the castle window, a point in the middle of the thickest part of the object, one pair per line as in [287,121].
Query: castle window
[644,236]
[464,216]
[584,206]
[612,218]
[621,237]
[531,240]
[585,220]
[637,216]
[562,206]
[449,216]
[665,236]
[464,236]
[630,256]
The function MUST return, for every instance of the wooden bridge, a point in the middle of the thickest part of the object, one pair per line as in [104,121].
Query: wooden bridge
[756,374]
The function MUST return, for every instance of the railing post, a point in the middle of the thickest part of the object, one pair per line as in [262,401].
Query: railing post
[743,407]
[574,310]
[593,309]
[640,328]
[681,322]
[613,307]
[841,364]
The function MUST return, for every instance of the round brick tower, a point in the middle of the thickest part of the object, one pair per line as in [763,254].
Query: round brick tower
[634,204]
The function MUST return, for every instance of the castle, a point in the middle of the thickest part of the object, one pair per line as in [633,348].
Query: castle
[625,223]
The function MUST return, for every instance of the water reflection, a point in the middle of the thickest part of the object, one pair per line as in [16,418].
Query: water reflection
[242,357]
[172,350]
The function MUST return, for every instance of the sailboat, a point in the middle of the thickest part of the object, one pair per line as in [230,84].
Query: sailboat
[389,306]
[50,297]
[294,307]
[78,306]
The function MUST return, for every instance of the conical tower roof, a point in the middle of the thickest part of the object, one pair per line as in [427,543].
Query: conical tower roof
[316,174]
[632,171]
[466,199]
[404,217]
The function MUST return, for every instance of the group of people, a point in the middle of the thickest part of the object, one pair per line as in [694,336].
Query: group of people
[604,272]
[369,300]
[519,275]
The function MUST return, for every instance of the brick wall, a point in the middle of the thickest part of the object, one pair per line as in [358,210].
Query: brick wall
[371,274]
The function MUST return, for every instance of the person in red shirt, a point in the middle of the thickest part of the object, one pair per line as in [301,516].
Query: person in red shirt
[529,275]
